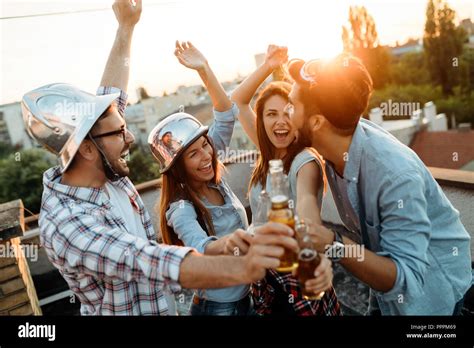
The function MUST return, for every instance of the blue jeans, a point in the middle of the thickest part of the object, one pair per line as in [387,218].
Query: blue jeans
[242,307]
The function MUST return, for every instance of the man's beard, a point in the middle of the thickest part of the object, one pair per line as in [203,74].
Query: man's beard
[305,137]
[118,168]
[113,169]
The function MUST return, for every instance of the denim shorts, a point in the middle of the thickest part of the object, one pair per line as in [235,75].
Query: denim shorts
[242,307]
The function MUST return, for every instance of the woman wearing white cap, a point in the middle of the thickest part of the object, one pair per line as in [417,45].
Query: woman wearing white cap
[197,207]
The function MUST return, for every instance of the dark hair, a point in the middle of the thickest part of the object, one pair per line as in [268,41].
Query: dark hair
[341,92]
[174,187]
[267,150]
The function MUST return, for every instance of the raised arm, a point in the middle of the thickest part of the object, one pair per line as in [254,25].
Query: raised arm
[225,112]
[117,69]
[308,184]
[192,58]
[243,95]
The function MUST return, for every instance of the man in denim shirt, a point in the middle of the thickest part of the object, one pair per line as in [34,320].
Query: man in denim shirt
[417,257]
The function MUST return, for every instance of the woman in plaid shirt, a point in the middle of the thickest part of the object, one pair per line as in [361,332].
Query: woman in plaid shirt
[272,131]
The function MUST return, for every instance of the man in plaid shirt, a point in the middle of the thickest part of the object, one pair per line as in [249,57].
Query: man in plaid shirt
[94,226]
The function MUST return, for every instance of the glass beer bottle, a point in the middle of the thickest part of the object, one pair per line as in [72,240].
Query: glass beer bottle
[308,260]
[281,211]
[261,214]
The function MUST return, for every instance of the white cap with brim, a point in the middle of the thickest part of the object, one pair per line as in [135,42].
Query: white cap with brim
[59,116]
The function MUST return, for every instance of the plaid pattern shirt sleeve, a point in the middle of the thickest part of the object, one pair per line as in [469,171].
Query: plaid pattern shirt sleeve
[121,100]
[82,244]
[112,271]
[263,294]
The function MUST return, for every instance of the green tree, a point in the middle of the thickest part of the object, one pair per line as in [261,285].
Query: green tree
[360,38]
[143,167]
[467,71]
[410,68]
[21,177]
[443,45]
[6,149]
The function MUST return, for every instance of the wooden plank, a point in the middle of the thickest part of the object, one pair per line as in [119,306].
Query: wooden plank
[22,310]
[27,280]
[11,286]
[6,261]
[12,220]
[14,300]
[9,272]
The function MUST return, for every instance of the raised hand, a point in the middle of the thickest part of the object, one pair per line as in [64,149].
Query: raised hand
[126,13]
[190,56]
[276,56]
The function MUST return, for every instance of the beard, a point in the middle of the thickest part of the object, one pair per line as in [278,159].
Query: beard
[120,168]
[116,168]
[305,137]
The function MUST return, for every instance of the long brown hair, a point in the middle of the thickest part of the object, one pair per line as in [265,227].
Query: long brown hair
[175,187]
[267,150]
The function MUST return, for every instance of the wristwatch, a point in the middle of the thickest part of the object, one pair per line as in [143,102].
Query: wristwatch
[336,251]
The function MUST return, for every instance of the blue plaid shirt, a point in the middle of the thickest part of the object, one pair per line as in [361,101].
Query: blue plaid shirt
[109,269]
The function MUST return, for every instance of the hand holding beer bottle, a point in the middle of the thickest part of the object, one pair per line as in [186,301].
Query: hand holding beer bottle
[308,259]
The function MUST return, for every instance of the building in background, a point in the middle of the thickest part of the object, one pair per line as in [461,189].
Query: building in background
[426,133]
[12,128]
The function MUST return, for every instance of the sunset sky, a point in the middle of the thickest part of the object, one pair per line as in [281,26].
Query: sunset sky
[73,47]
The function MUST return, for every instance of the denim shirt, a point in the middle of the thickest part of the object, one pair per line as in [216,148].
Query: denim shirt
[299,161]
[226,218]
[405,215]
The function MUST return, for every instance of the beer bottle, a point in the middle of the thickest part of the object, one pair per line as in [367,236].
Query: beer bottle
[261,213]
[281,211]
[308,260]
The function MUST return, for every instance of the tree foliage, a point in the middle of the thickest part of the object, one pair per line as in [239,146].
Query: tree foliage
[360,38]
[143,167]
[21,177]
[443,45]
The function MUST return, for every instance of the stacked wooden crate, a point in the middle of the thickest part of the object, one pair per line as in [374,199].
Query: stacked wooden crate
[17,291]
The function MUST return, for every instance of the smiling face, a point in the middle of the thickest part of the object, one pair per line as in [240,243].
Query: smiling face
[277,123]
[198,161]
[117,146]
